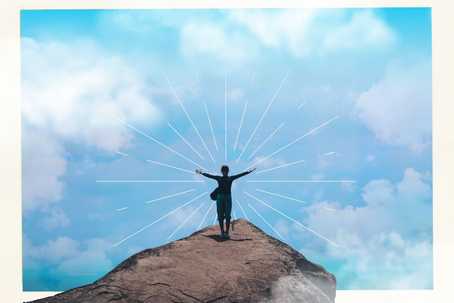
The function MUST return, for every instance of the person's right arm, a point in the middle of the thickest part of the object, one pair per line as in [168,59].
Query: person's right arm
[198,171]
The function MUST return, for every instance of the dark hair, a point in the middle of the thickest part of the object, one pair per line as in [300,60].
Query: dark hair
[225,168]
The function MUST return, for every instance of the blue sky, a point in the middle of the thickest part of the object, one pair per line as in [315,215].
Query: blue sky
[94,82]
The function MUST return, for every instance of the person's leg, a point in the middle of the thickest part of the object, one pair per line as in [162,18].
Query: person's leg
[228,211]
[220,211]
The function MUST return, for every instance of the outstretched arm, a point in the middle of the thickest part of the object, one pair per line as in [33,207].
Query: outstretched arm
[242,174]
[198,171]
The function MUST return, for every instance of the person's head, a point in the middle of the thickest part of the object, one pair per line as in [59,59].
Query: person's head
[224,170]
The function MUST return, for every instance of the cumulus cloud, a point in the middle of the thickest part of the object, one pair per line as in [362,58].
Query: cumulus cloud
[386,243]
[73,93]
[305,32]
[43,165]
[398,108]
[206,38]
[55,219]
[70,257]
[77,93]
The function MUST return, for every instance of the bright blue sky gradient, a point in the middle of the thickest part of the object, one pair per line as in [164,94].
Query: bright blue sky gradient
[372,68]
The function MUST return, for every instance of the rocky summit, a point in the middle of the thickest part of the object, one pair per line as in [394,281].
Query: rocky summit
[249,267]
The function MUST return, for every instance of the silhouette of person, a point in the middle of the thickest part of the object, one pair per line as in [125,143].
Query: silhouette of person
[224,196]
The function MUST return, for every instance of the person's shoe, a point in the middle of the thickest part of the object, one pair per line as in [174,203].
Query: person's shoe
[226,236]
[222,235]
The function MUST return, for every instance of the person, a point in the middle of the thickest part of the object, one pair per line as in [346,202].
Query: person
[224,196]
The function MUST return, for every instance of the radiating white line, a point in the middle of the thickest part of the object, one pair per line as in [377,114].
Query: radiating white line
[177,98]
[279,195]
[262,117]
[294,141]
[266,222]
[242,209]
[185,221]
[301,105]
[265,141]
[121,209]
[121,154]
[293,220]
[185,141]
[162,144]
[149,181]
[158,220]
[171,166]
[211,126]
[329,208]
[329,153]
[205,216]
[170,196]
[301,181]
[234,215]
[279,166]
[225,118]
[235,146]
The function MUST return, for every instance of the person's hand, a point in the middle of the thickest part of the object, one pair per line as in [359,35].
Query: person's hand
[198,171]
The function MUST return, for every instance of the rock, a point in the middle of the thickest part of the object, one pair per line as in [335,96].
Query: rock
[250,267]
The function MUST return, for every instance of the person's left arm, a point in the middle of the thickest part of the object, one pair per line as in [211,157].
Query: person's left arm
[242,174]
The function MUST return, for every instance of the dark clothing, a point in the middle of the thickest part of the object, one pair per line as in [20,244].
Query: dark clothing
[225,182]
[224,206]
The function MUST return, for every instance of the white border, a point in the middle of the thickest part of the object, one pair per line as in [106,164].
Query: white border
[443,139]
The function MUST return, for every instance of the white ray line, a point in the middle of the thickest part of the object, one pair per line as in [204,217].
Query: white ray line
[266,222]
[149,181]
[235,146]
[158,220]
[171,166]
[330,153]
[121,154]
[279,195]
[170,196]
[211,126]
[121,209]
[301,181]
[262,117]
[162,144]
[293,220]
[205,216]
[279,166]
[265,141]
[177,98]
[294,141]
[185,221]
[185,141]
[234,215]
[225,118]
[242,209]
[301,105]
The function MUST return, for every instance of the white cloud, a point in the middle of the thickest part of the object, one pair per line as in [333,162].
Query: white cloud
[76,92]
[398,108]
[207,38]
[56,219]
[386,242]
[43,165]
[306,32]
[70,257]
[73,93]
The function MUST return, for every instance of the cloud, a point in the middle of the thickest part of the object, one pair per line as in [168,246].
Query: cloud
[398,108]
[43,165]
[207,38]
[307,32]
[69,257]
[386,243]
[55,219]
[77,92]
[73,93]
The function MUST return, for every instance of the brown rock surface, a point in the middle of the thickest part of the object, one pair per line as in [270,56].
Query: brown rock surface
[250,267]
